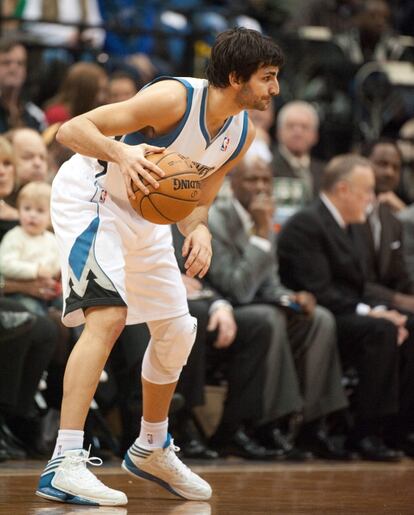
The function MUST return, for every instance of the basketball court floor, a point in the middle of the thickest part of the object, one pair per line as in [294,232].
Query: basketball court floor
[239,488]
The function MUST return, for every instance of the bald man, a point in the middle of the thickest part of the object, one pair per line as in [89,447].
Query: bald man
[297,133]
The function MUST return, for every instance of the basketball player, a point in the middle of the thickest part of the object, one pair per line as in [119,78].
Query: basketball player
[120,269]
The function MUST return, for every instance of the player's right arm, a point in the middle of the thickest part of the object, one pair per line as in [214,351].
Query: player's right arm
[160,106]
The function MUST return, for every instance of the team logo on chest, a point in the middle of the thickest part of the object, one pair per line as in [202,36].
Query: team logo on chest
[225,143]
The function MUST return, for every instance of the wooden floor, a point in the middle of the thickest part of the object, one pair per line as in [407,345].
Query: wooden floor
[239,488]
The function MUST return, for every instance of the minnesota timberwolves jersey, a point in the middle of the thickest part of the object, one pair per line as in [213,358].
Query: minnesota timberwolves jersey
[191,137]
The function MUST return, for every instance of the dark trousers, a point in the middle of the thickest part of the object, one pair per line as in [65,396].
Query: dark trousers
[370,345]
[23,361]
[245,361]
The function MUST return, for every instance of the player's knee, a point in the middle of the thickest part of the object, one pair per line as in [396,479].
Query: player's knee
[106,322]
[169,348]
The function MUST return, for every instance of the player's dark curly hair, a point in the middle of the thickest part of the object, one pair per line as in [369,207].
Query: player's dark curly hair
[241,51]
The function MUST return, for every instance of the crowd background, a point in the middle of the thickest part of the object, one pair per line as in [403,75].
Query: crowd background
[304,375]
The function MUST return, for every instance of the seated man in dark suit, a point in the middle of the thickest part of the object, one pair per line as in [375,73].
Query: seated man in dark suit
[244,270]
[317,252]
[380,239]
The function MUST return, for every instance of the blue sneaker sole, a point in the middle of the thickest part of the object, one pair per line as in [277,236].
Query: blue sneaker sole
[51,494]
[132,469]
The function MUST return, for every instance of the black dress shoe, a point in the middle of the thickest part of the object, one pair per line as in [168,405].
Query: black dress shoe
[11,444]
[196,449]
[3,454]
[373,448]
[404,444]
[243,446]
[286,450]
[323,446]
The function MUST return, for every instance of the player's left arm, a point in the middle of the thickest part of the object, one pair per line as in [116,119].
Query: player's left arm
[197,243]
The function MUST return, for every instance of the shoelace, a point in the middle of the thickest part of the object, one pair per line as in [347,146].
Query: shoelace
[84,460]
[176,464]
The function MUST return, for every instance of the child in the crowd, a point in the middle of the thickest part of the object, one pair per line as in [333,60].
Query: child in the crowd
[29,251]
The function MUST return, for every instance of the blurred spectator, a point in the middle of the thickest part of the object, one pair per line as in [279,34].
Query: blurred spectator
[380,239]
[83,88]
[297,133]
[317,252]
[297,173]
[29,251]
[371,37]
[244,269]
[8,214]
[121,86]
[30,158]
[78,12]
[15,111]
[387,160]
[45,288]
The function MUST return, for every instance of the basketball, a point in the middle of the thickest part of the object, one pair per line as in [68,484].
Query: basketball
[177,195]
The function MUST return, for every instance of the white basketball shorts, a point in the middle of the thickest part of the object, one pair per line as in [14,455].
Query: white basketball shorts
[109,255]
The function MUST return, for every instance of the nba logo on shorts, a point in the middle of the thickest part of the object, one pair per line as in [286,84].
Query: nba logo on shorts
[102,196]
[150,439]
[225,143]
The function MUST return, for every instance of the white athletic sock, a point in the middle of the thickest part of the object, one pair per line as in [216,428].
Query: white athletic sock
[152,434]
[68,439]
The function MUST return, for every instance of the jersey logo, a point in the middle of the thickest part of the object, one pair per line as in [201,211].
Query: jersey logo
[225,143]
[203,170]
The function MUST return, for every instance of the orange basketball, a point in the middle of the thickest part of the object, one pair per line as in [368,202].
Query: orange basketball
[178,193]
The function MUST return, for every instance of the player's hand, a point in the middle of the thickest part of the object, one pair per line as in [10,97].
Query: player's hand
[134,167]
[222,320]
[197,250]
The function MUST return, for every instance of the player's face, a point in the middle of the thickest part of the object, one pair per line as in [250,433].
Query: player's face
[34,216]
[387,167]
[258,91]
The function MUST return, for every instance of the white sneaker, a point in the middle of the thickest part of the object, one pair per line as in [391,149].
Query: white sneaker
[163,467]
[67,479]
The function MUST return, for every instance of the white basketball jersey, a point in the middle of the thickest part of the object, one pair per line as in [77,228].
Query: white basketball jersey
[191,137]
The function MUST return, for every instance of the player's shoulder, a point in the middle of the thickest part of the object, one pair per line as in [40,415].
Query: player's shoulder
[251,132]
[168,94]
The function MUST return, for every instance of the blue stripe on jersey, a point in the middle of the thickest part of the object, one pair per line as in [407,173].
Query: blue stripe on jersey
[80,251]
[203,117]
[242,140]
[202,121]
[135,138]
